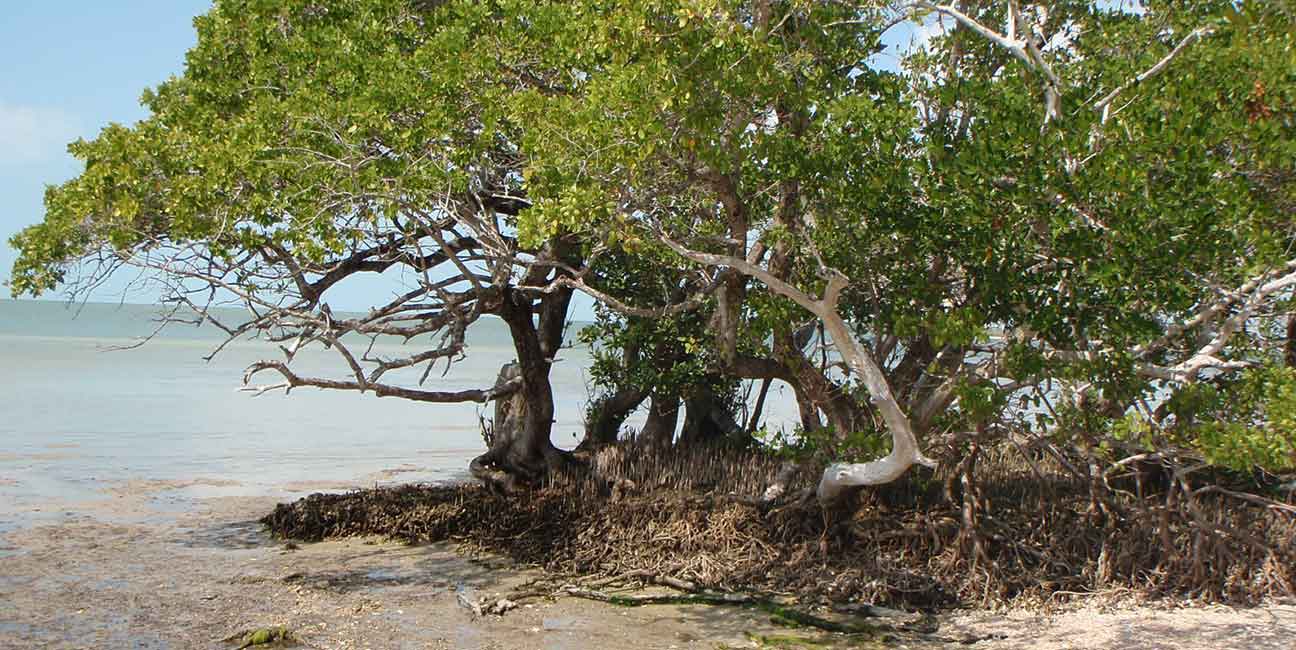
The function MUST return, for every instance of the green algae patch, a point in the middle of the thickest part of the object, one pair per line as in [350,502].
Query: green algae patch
[819,642]
[795,618]
[262,636]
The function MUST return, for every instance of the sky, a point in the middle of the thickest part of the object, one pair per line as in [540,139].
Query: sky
[74,66]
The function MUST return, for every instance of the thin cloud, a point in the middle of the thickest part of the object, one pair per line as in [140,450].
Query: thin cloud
[34,134]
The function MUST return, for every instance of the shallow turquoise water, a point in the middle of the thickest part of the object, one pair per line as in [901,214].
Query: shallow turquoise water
[77,419]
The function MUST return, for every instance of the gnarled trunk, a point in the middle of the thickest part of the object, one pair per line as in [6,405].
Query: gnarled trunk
[904,451]
[518,452]
[521,452]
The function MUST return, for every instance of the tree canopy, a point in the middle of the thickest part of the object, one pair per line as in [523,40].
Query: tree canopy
[1063,219]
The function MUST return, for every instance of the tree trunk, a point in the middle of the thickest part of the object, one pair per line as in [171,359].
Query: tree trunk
[511,459]
[919,353]
[843,413]
[608,413]
[904,450]
[663,415]
[521,452]
[726,320]
[706,419]
[810,420]
[1291,341]
[815,393]
[754,421]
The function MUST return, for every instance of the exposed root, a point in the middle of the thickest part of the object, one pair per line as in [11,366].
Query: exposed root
[1001,531]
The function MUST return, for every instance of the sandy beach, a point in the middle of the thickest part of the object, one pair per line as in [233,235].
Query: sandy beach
[135,570]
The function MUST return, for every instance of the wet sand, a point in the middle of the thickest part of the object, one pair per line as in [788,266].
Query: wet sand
[193,579]
[139,569]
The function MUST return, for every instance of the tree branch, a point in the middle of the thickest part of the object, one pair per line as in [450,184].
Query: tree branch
[293,380]
[1104,104]
[904,451]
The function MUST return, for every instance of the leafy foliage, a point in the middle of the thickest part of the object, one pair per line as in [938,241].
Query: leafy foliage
[1059,276]
[1243,422]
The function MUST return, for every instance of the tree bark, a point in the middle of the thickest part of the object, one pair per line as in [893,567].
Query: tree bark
[521,452]
[844,415]
[815,393]
[663,415]
[608,413]
[905,451]
[749,367]
[919,353]
[810,420]
[706,419]
[1291,341]
[511,459]
[754,421]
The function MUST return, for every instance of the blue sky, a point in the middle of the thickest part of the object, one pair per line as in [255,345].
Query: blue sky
[74,66]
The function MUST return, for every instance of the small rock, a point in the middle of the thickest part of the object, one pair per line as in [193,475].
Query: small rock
[501,606]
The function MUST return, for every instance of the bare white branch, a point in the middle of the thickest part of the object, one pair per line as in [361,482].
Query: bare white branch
[904,451]
[1104,104]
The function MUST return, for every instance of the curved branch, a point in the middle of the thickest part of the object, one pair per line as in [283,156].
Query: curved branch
[363,262]
[293,380]
[904,450]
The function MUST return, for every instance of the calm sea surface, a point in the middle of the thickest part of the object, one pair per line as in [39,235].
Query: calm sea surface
[78,418]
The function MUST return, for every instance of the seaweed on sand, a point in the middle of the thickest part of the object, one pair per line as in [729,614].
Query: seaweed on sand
[932,540]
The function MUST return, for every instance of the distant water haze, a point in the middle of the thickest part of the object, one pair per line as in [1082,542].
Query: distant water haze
[79,417]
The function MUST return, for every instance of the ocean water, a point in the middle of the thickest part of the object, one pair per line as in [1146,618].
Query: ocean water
[78,417]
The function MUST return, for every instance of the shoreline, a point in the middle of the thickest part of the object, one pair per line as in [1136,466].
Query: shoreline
[204,575]
[191,578]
